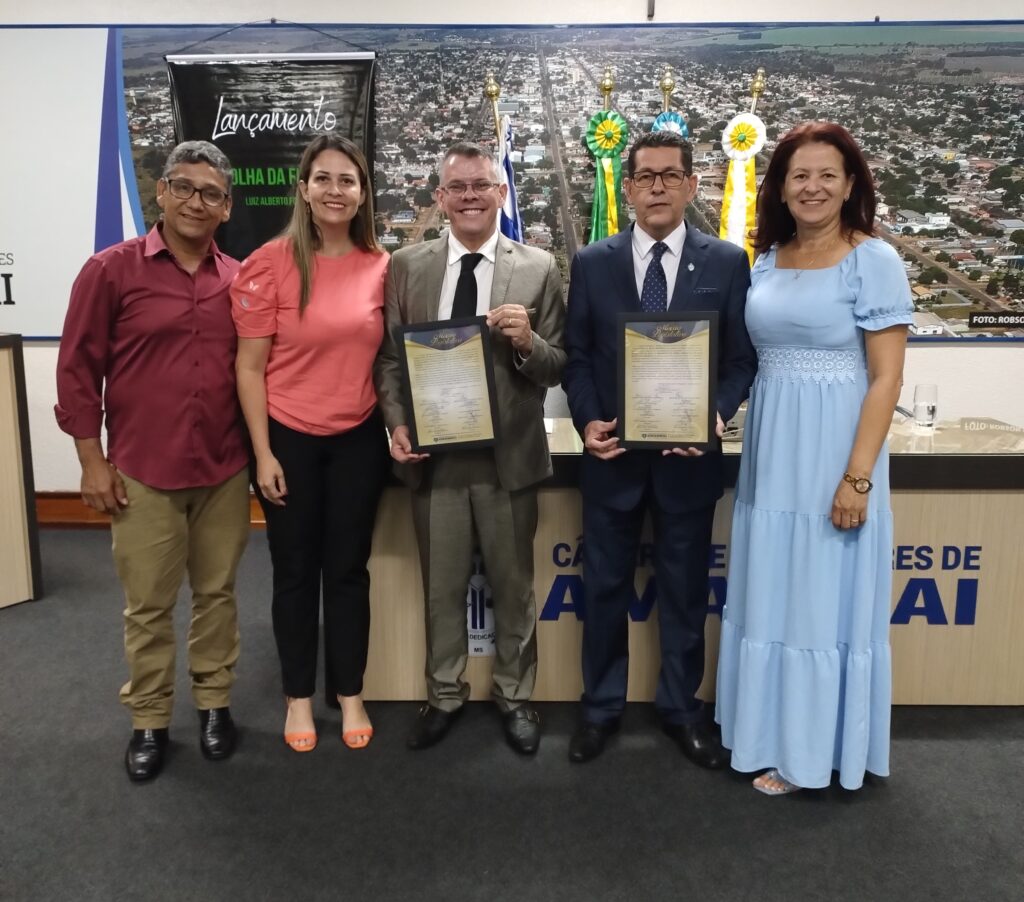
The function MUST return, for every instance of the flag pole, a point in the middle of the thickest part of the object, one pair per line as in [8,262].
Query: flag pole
[743,137]
[757,88]
[607,85]
[607,135]
[492,90]
[667,86]
[667,119]
[509,220]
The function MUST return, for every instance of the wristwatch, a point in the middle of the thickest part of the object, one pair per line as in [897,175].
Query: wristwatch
[861,485]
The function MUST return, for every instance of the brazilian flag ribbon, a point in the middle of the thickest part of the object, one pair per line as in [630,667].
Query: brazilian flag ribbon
[607,135]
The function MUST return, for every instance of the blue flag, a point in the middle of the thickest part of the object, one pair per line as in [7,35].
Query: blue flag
[509,221]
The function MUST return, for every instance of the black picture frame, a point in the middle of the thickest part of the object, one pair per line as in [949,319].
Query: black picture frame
[690,319]
[477,324]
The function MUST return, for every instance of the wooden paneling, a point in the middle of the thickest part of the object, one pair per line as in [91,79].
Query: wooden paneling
[979,663]
[16,582]
[66,510]
[933,662]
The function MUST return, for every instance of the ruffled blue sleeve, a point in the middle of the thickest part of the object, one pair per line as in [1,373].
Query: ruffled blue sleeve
[764,263]
[875,275]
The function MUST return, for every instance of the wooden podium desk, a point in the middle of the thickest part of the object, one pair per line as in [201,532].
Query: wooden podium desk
[20,567]
[958,576]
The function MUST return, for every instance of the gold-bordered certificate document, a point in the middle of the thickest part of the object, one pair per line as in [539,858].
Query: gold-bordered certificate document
[667,380]
[450,384]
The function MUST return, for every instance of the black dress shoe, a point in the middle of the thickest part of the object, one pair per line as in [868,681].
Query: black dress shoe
[699,743]
[145,756]
[589,739]
[430,727]
[522,729]
[217,733]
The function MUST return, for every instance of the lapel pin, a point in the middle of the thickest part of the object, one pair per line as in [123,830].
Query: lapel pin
[689,266]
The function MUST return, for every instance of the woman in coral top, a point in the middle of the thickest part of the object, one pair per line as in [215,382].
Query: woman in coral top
[308,311]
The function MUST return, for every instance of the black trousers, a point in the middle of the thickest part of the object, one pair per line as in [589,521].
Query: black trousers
[323,534]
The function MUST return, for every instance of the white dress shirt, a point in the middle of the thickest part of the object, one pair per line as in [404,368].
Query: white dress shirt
[643,244]
[484,273]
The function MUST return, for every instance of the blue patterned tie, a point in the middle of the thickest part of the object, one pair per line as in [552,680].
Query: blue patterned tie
[654,297]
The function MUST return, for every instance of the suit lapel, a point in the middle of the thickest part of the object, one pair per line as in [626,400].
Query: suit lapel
[432,277]
[623,276]
[691,263]
[503,266]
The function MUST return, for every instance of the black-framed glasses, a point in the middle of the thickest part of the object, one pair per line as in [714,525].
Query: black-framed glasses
[461,188]
[670,178]
[183,189]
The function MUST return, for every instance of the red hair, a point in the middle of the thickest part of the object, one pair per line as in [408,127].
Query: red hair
[775,224]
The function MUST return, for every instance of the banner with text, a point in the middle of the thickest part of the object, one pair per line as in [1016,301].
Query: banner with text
[64,197]
[262,110]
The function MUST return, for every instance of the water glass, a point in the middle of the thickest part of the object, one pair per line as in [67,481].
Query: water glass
[926,399]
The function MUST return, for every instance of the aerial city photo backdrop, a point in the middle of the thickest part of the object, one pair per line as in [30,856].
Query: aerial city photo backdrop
[936,107]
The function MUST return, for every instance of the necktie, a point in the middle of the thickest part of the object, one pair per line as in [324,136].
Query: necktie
[465,289]
[654,297]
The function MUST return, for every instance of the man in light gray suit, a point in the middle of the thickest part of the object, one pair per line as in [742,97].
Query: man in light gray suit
[485,498]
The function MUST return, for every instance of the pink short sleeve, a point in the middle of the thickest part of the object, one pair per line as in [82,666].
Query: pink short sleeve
[254,299]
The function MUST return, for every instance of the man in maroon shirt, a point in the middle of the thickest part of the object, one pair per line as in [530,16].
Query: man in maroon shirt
[149,348]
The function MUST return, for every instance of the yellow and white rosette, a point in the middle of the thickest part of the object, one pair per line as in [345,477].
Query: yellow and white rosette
[742,138]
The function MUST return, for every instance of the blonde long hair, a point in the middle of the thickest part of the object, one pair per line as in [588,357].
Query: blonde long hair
[304,234]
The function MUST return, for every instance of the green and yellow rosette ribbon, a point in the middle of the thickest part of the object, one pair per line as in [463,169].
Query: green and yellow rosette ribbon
[742,138]
[607,135]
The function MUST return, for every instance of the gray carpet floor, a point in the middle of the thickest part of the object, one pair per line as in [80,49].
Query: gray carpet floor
[467,820]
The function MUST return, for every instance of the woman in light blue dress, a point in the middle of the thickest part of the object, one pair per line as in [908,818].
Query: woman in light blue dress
[804,672]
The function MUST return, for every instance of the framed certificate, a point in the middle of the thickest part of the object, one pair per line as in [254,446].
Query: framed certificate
[668,365]
[449,379]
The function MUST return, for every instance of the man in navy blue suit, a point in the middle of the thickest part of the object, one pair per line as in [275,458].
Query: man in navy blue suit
[659,263]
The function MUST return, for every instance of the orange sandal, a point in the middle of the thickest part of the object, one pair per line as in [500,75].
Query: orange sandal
[294,741]
[358,738]
[298,740]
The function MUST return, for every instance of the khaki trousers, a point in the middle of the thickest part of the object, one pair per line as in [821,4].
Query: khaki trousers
[459,506]
[157,539]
